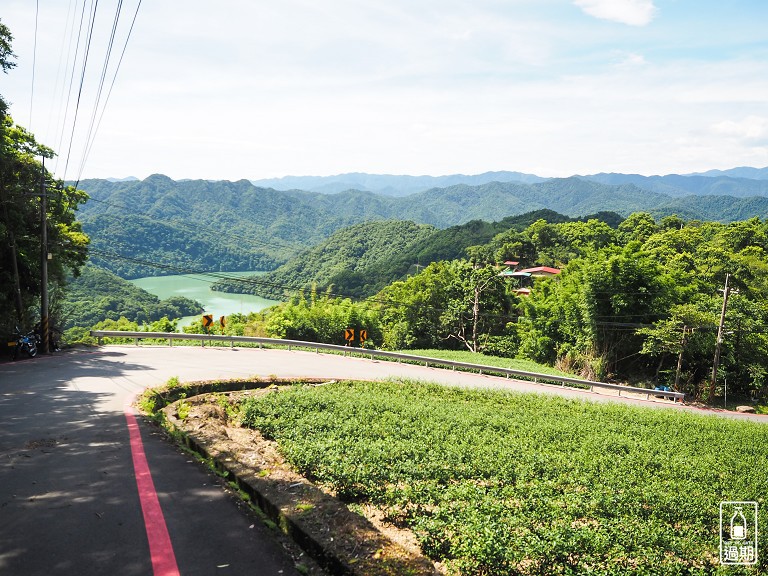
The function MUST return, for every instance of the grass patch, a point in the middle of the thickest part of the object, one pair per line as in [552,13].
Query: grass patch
[496,361]
[510,483]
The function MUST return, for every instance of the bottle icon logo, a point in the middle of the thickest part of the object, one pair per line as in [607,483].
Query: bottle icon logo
[738,525]
[738,533]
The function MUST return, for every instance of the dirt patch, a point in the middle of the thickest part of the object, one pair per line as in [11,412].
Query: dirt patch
[343,541]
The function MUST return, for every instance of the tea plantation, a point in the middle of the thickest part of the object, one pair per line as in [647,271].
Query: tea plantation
[506,483]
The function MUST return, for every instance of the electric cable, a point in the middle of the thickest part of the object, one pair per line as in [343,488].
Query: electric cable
[71,69]
[34,65]
[109,93]
[100,86]
[92,22]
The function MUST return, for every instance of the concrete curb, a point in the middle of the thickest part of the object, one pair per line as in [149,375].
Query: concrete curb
[278,502]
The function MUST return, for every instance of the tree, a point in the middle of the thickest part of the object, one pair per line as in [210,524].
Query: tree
[586,317]
[6,51]
[22,181]
[412,310]
[478,304]
[639,226]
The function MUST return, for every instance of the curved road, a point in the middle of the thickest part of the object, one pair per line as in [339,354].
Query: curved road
[73,496]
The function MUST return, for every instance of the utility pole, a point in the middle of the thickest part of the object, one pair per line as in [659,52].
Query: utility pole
[44,328]
[683,342]
[718,344]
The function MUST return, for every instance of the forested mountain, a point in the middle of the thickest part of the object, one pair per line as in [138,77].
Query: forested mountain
[202,225]
[699,185]
[741,182]
[740,172]
[350,260]
[98,295]
[224,225]
[361,260]
[389,185]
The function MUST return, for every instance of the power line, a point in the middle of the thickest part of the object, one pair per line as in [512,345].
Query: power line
[89,146]
[34,63]
[92,17]
[100,86]
[71,29]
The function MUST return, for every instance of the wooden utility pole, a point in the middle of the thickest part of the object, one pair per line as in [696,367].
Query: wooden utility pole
[44,328]
[718,344]
[683,342]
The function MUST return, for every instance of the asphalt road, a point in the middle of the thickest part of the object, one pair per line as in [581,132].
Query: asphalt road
[69,498]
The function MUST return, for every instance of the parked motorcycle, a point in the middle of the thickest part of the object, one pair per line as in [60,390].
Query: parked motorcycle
[26,343]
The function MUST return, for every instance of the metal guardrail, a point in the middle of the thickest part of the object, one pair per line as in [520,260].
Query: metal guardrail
[373,353]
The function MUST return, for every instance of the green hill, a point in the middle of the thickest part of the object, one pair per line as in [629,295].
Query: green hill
[349,260]
[159,225]
[98,294]
[361,260]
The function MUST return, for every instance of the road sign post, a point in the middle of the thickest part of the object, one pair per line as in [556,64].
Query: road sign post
[207,322]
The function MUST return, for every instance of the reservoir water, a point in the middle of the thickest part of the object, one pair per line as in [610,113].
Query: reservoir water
[198,287]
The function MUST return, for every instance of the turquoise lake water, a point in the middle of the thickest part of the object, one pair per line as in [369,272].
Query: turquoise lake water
[197,287]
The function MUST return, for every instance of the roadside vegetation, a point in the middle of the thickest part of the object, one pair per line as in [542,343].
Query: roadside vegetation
[502,483]
[639,303]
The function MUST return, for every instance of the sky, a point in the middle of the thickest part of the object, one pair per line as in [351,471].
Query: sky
[262,89]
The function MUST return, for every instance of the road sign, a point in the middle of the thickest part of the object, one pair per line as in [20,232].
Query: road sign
[207,320]
[363,335]
[223,322]
[349,334]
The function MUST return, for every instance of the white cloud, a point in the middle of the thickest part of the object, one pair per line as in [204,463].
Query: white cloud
[631,12]
[632,61]
[751,129]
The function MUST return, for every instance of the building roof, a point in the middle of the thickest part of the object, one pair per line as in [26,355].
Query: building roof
[542,271]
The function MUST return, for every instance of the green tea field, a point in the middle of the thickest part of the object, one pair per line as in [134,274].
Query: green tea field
[508,483]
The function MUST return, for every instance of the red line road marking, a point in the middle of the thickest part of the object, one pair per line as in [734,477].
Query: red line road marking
[160,548]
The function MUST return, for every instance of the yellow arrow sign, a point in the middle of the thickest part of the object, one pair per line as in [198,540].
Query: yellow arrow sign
[207,320]
[349,334]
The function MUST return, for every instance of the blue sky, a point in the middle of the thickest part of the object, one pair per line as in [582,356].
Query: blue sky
[235,89]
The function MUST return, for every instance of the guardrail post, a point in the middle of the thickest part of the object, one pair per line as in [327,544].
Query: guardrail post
[170,342]
[136,341]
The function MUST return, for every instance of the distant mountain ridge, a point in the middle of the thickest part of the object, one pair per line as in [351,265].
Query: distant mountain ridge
[739,182]
[387,184]
[222,225]
[741,172]
[700,185]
